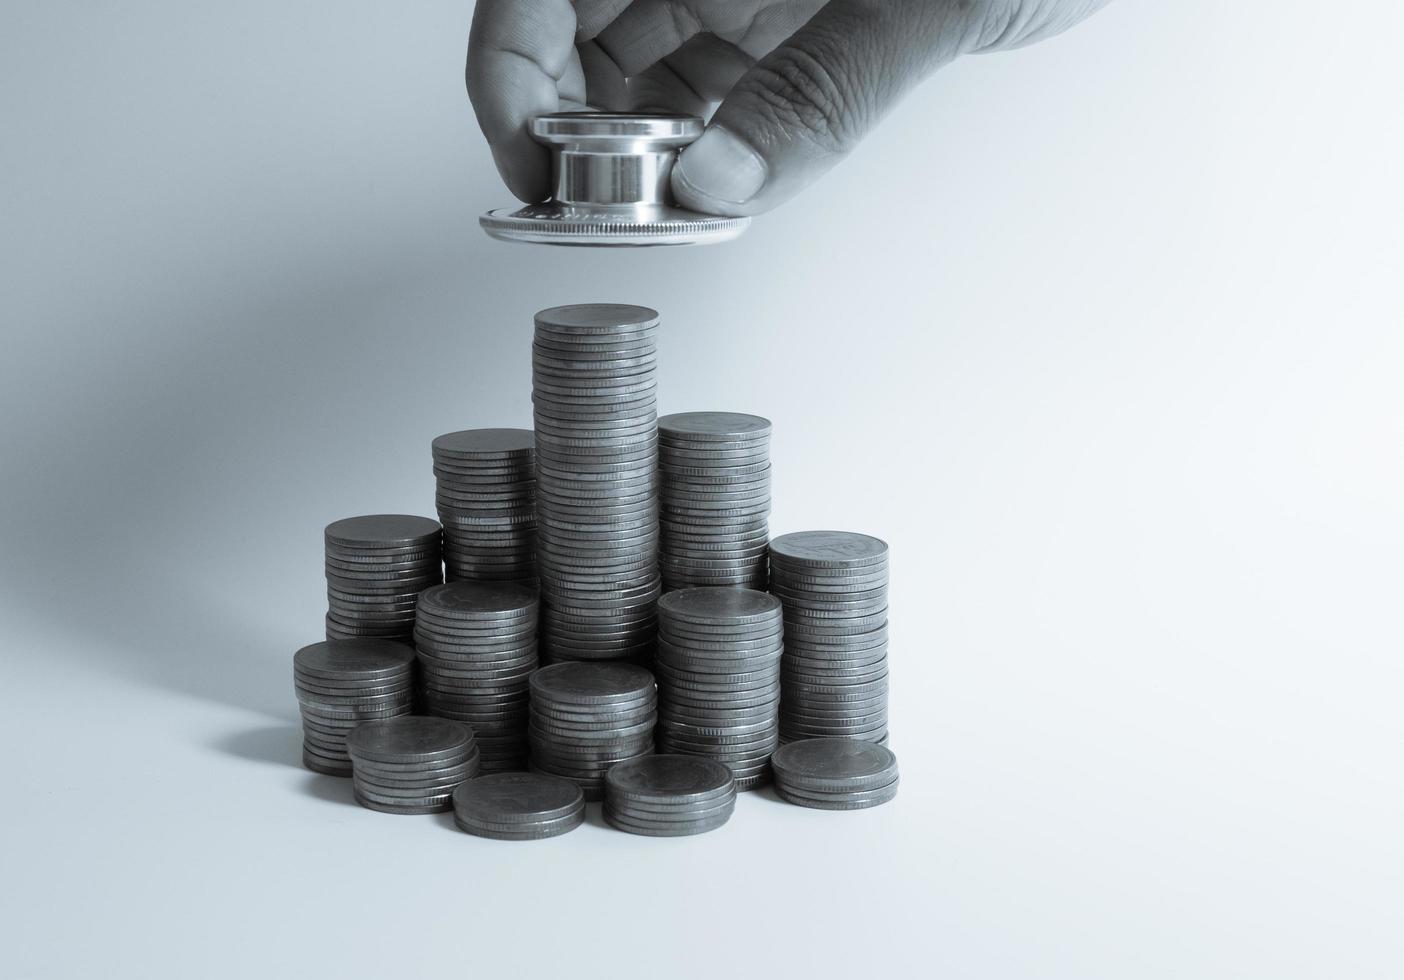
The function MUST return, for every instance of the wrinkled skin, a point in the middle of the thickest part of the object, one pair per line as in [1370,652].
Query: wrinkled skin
[799,82]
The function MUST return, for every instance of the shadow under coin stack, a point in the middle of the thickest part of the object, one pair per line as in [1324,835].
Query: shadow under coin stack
[593,392]
[376,567]
[714,491]
[833,585]
[477,649]
[411,764]
[669,796]
[518,806]
[718,669]
[586,718]
[341,683]
[486,493]
[835,774]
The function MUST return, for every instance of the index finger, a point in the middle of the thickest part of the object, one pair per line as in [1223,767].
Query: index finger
[518,53]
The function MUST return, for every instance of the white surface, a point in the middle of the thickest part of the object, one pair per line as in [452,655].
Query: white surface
[1123,393]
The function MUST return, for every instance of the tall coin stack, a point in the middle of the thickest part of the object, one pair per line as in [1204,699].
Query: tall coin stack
[341,683]
[376,567]
[833,585]
[486,498]
[477,649]
[718,669]
[587,717]
[714,490]
[593,391]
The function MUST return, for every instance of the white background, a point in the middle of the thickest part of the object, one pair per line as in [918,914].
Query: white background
[1104,336]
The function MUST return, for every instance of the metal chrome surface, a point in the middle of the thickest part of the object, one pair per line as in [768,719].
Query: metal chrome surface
[610,185]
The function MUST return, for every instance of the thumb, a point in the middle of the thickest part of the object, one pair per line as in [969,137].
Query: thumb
[809,102]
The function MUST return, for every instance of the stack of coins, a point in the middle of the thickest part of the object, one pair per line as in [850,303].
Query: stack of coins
[411,764]
[518,806]
[477,649]
[714,489]
[486,498]
[718,669]
[833,585]
[669,796]
[376,567]
[341,683]
[593,392]
[585,717]
[835,773]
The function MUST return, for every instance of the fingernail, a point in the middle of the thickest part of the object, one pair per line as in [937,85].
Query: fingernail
[722,167]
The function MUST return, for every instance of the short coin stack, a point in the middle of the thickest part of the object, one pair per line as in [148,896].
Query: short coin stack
[586,717]
[486,499]
[376,567]
[411,764]
[593,391]
[835,773]
[714,490]
[477,649]
[718,669]
[341,683]
[518,806]
[669,796]
[833,585]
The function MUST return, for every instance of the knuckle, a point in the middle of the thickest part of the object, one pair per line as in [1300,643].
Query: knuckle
[813,92]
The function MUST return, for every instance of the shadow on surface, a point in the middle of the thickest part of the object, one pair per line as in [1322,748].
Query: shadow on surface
[280,746]
[152,512]
[332,789]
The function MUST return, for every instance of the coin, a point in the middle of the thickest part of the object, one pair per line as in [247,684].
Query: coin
[375,568]
[486,484]
[490,444]
[853,801]
[715,499]
[669,795]
[833,765]
[410,739]
[586,717]
[668,779]
[533,831]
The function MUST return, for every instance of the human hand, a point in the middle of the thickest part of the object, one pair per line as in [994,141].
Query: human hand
[799,82]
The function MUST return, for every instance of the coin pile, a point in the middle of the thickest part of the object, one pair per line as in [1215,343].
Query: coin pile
[593,391]
[376,567]
[486,499]
[714,490]
[411,764]
[518,806]
[341,683]
[586,717]
[477,649]
[669,796]
[833,585]
[835,773]
[718,670]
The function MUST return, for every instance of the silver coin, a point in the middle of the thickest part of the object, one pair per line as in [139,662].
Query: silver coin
[382,530]
[724,607]
[669,778]
[680,829]
[859,803]
[542,831]
[716,426]
[839,765]
[829,549]
[355,660]
[710,426]
[409,739]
